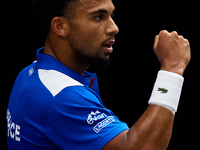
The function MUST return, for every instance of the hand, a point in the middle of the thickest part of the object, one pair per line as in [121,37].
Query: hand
[173,51]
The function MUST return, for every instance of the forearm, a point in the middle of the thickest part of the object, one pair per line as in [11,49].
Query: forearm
[152,131]
[154,128]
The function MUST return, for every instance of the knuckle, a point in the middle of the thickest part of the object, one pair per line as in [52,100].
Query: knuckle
[181,37]
[186,40]
[188,43]
[163,33]
[174,33]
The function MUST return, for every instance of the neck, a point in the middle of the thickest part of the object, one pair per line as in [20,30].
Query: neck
[62,52]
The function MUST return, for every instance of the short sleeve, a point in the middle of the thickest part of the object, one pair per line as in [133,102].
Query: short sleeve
[79,121]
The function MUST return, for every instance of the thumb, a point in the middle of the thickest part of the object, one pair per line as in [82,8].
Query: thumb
[155,42]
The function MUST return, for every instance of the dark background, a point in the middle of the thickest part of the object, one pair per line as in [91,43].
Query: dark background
[126,85]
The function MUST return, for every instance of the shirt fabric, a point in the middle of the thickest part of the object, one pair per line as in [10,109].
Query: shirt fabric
[53,107]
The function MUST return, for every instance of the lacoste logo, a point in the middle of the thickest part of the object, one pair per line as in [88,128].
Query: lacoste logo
[163,90]
[103,123]
[94,116]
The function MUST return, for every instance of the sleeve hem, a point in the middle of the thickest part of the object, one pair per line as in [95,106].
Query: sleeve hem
[109,136]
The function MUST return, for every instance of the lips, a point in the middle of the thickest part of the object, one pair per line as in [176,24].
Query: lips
[108,45]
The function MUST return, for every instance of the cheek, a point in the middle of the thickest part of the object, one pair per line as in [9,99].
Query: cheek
[85,40]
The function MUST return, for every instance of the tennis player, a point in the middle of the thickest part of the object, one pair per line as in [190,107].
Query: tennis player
[55,102]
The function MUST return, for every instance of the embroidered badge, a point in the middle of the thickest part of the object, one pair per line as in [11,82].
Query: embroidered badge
[163,90]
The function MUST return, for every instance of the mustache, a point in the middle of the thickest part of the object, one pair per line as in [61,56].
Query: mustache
[108,40]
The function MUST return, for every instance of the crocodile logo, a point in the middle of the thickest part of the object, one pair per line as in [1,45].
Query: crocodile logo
[163,90]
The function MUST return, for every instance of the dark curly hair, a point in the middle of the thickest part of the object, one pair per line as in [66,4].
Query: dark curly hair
[48,9]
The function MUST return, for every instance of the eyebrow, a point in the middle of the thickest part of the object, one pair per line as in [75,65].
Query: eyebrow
[102,11]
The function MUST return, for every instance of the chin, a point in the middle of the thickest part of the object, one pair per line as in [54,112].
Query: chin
[100,64]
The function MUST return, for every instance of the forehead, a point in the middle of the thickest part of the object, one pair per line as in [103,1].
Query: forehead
[93,5]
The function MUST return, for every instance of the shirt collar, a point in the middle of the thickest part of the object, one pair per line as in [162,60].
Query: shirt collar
[47,62]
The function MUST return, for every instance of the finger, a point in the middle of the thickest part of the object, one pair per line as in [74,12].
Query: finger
[155,42]
[164,33]
[175,33]
[186,40]
[180,36]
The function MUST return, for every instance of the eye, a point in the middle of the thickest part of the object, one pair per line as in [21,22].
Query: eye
[99,17]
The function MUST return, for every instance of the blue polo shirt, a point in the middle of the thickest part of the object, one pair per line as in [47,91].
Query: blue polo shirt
[53,107]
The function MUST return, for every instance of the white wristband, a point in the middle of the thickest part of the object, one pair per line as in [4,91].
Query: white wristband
[167,90]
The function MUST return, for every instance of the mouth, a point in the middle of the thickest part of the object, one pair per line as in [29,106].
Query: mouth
[108,45]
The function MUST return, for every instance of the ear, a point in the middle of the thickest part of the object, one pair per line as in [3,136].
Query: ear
[60,26]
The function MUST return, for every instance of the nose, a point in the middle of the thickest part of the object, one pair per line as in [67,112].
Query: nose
[112,28]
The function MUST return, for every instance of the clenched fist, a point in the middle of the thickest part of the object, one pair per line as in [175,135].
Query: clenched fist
[173,51]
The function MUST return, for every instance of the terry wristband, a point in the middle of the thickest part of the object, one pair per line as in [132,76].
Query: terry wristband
[167,90]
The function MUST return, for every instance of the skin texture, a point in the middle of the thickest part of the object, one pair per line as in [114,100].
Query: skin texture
[177,54]
[154,128]
[88,36]
[78,42]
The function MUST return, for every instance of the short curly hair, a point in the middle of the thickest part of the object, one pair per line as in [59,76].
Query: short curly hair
[48,9]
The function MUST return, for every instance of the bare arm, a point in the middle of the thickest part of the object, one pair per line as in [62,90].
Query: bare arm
[154,128]
[152,131]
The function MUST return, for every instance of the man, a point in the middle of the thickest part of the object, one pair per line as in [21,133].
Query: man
[55,103]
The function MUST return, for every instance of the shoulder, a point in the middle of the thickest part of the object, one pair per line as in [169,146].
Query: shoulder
[56,81]
[63,87]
